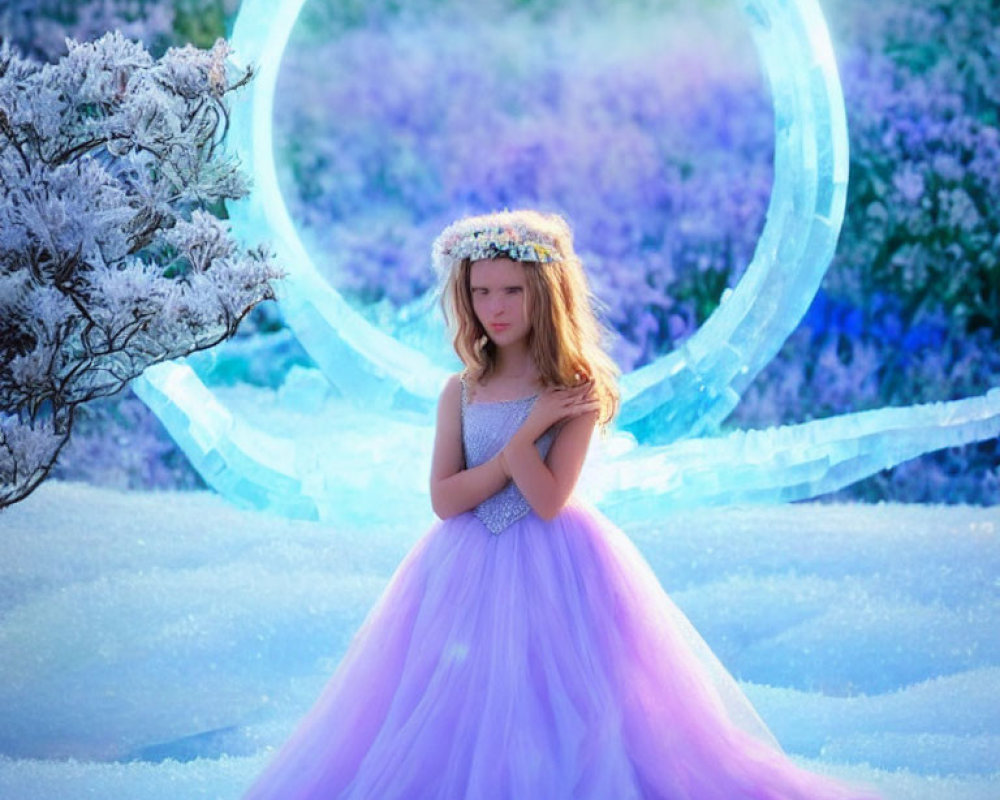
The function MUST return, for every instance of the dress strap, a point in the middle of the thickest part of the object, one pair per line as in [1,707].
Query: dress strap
[465,395]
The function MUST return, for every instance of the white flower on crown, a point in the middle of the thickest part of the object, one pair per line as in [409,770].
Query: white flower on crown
[518,235]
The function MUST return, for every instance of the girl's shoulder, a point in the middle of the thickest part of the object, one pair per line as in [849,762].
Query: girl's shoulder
[451,400]
[455,388]
[463,384]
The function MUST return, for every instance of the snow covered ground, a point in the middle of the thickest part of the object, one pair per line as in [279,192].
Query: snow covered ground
[155,645]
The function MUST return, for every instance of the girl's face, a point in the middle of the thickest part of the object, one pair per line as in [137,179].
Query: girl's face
[500,299]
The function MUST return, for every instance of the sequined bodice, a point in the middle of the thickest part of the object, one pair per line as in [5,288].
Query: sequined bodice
[486,428]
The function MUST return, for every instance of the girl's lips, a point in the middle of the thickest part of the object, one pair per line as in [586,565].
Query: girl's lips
[500,326]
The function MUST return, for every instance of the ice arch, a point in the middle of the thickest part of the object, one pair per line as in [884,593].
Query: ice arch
[686,393]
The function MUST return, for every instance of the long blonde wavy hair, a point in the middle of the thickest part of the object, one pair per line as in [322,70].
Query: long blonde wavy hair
[565,339]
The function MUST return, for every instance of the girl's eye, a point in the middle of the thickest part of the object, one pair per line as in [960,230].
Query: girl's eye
[513,290]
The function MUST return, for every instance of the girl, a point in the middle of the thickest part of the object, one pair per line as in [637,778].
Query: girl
[524,649]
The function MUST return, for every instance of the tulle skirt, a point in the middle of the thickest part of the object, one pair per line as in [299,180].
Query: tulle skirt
[545,662]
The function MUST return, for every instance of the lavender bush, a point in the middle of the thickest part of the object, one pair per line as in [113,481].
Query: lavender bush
[109,258]
[39,28]
[437,120]
[916,274]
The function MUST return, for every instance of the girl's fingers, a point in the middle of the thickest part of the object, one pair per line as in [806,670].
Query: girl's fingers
[583,408]
[571,401]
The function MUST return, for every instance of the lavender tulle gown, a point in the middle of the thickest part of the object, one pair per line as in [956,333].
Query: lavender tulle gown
[510,657]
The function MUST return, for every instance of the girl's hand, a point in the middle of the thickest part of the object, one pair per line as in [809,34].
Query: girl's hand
[556,404]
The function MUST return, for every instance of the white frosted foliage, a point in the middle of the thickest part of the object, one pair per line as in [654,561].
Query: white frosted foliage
[109,259]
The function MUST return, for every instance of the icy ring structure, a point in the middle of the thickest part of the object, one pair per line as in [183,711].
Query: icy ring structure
[673,406]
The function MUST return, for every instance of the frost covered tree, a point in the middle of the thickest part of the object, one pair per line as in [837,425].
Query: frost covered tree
[111,260]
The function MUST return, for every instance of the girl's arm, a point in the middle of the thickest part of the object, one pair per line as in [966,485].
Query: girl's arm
[454,488]
[547,485]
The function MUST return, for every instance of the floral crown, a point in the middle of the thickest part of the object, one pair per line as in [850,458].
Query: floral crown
[519,235]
